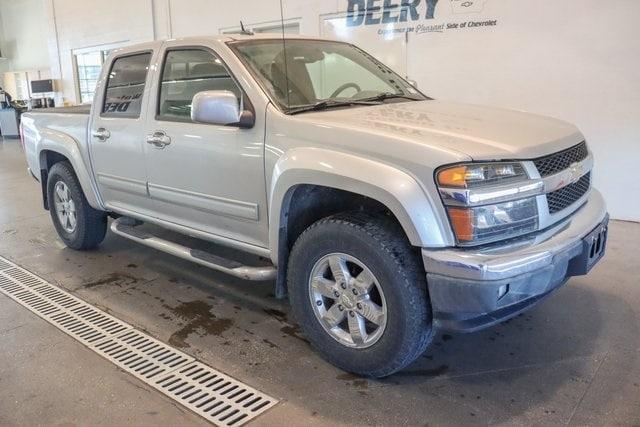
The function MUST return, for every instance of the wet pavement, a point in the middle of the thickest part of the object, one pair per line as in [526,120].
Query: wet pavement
[574,359]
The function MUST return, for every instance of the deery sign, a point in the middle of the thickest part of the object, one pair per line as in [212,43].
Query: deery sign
[374,12]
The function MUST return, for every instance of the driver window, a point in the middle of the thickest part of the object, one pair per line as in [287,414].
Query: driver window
[336,71]
[187,72]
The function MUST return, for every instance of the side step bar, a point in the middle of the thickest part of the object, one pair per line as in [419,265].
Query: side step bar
[126,227]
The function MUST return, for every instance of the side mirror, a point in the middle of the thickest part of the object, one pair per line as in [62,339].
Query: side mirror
[220,107]
[413,83]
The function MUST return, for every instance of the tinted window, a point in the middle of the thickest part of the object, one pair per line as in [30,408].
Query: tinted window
[125,86]
[187,72]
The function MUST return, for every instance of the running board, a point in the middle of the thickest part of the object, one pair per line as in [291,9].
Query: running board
[126,227]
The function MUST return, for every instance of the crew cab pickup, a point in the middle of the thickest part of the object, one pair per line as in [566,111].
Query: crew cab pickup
[386,215]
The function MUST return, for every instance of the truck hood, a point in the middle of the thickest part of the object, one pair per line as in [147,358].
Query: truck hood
[482,133]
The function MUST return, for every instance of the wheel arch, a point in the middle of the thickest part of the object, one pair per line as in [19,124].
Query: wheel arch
[310,184]
[58,147]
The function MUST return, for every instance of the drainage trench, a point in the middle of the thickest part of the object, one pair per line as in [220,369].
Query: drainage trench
[211,394]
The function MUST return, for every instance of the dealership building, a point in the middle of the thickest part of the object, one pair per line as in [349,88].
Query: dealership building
[343,212]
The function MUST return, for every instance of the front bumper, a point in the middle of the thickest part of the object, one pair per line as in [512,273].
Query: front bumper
[471,289]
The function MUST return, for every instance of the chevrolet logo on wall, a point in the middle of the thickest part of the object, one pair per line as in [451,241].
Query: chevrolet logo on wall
[467,6]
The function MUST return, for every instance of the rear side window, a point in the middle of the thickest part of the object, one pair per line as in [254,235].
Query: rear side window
[125,86]
[187,72]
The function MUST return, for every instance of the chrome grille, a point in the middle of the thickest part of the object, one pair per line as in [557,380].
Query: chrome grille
[560,161]
[566,196]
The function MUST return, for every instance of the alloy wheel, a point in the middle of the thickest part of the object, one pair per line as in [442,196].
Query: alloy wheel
[65,207]
[347,300]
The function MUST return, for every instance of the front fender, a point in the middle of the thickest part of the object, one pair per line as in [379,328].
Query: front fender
[65,145]
[397,190]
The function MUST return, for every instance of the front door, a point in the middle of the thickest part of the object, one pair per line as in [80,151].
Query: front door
[206,177]
[117,135]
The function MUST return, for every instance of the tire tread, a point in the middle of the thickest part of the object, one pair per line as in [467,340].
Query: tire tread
[392,241]
[93,228]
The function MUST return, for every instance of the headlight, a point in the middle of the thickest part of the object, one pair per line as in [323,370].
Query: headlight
[487,202]
[489,223]
[474,175]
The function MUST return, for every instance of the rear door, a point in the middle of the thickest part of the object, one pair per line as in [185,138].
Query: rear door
[117,134]
[206,177]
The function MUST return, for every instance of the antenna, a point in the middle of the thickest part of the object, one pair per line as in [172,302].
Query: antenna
[284,49]
[244,30]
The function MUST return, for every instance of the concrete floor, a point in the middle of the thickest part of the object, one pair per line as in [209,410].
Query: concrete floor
[574,359]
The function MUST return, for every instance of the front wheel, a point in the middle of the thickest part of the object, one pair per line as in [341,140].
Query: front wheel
[359,293]
[79,225]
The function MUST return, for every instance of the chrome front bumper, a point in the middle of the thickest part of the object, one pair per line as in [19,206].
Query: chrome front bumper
[467,286]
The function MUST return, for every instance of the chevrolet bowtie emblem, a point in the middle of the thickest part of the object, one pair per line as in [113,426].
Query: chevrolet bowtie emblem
[576,170]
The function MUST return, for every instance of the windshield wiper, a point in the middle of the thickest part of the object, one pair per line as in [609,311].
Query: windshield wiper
[327,103]
[388,95]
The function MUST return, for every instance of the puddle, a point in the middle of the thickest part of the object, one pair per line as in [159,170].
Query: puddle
[288,329]
[269,343]
[354,380]
[276,314]
[199,319]
[113,279]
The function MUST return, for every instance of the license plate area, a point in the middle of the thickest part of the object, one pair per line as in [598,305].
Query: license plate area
[593,249]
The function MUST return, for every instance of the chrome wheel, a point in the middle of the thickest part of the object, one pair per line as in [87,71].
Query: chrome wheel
[348,300]
[65,207]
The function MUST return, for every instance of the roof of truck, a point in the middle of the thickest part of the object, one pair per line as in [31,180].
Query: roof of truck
[221,38]
[242,36]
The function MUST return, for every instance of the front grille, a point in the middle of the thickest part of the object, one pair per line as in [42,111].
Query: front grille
[566,196]
[560,161]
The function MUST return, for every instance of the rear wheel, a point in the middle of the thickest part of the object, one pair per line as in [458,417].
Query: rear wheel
[78,224]
[359,293]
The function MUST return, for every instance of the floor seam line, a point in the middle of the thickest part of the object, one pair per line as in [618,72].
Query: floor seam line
[575,408]
[515,368]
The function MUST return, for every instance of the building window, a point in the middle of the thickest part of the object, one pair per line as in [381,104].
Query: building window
[88,67]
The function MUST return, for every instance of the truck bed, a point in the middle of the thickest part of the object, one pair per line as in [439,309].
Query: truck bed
[46,126]
[79,109]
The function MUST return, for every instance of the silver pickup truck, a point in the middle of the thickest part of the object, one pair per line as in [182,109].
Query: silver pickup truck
[386,215]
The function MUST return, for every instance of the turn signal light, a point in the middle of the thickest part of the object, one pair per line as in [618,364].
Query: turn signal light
[462,223]
[453,177]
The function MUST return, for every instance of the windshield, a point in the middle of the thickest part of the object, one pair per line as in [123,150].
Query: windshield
[320,72]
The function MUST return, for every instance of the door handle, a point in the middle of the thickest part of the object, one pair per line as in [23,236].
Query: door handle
[158,139]
[101,134]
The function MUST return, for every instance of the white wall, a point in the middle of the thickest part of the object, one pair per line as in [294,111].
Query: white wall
[577,60]
[23,35]
[85,24]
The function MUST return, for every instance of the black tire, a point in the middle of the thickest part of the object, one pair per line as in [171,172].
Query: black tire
[91,224]
[382,246]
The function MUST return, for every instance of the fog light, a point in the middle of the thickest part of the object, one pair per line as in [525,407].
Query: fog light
[502,290]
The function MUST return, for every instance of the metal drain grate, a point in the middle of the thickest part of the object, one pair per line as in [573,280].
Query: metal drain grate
[141,355]
[24,277]
[4,265]
[209,393]
[70,314]
[213,395]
